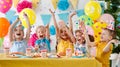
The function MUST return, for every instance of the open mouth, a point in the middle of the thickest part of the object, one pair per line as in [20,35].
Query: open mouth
[41,36]
[18,34]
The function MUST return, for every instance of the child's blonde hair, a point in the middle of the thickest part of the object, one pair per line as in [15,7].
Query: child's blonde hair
[43,27]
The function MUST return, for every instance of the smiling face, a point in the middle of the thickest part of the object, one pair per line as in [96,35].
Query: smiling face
[106,35]
[41,32]
[63,34]
[18,32]
[79,36]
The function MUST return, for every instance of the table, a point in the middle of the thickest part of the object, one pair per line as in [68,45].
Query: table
[48,62]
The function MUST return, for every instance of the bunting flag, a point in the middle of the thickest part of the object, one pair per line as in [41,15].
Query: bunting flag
[15,2]
[74,3]
[64,17]
[46,18]
[80,12]
[11,16]
[35,3]
[54,3]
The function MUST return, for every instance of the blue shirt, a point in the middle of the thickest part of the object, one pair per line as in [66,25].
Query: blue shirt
[19,46]
[43,44]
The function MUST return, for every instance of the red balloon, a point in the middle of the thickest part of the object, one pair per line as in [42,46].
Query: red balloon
[4,25]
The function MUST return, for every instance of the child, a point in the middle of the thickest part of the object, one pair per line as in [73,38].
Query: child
[43,42]
[80,47]
[104,47]
[16,35]
[65,38]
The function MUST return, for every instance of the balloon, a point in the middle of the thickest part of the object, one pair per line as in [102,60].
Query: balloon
[63,5]
[54,3]
[88,21]
[4,25]
[93,10]
[90,30]
[24,4]
[5,5]
[97,27]
[109,20]
[31,16]
[6,41]
[1,41]
[52,30]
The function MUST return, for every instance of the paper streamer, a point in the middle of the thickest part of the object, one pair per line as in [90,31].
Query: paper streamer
[46,18]
[35,3]
[80,12]
[64,17]
[54,3]
[15,3]
[74,3]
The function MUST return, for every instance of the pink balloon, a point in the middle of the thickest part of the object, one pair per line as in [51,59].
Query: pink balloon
[6,42]
[5,5]
[89,30]
[109,20]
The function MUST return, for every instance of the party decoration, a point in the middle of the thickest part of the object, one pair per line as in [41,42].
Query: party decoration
[26,4]
[64,17]
[80,12]
[54,3]
[118,26]
[63,5]
[35,3]
[109,20]
[31,16]
[5,5]
[6,42]
[93,10]
[15,2]
[32,40]
[74,3]
[4,25]
[10,15]
[88,21]
[90,31]
[52,30]
[118,18]
[1,41]
[46,18]
[97,27]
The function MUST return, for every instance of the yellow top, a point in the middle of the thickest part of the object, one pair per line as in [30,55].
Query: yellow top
[63,45]
[101,56]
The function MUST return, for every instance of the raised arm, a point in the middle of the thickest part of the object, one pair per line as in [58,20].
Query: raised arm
[28,27]
[55,23]
[70,21]
[88,42]
[10,32]
[47,32]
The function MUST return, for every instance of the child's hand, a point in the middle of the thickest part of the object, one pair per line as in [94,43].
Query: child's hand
[82,24]
[74,13]
[25,15]
[51,12]
[115,41]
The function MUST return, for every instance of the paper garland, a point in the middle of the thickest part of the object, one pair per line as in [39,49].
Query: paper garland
[74,3]
[35,3]
[80,12]
[64,17]
[54,3]
[46,18]
[15,2]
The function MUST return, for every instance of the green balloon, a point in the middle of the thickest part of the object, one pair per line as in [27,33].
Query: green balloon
[1,41]
[88,21]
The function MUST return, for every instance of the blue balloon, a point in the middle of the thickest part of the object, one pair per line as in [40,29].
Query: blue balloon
[52,30]
[63,5]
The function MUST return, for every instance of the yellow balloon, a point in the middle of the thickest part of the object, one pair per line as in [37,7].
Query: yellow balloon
[31,16]
[97,27]
[93,10]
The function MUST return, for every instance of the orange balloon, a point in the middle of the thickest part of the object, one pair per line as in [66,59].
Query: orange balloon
[4,25]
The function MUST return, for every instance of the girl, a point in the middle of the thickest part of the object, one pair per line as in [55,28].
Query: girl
[104,47]
[16,35]
[65,38]
[43,42]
